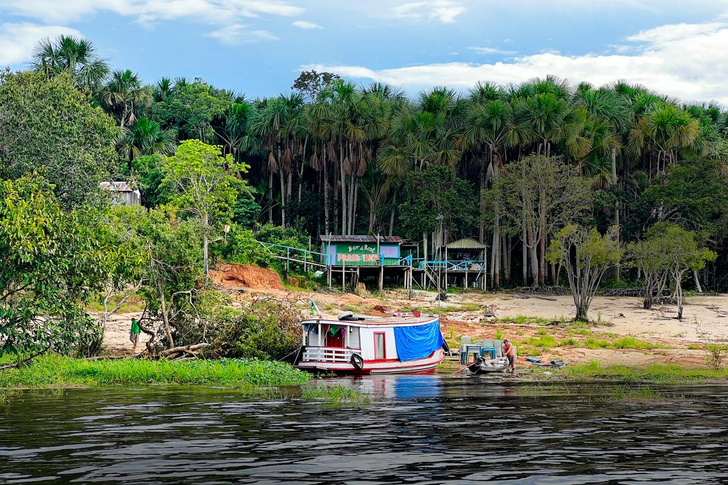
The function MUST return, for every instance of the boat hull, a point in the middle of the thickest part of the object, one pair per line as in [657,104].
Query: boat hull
[372,367]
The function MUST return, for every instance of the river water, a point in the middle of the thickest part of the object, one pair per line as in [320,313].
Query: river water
[416,430]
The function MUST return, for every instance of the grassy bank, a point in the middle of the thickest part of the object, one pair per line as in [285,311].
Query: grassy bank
[657,373]
[56,372]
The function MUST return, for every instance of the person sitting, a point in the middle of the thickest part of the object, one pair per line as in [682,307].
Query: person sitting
[510,352]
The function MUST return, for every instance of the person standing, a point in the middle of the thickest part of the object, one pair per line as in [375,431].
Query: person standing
[510,352]
[134,333]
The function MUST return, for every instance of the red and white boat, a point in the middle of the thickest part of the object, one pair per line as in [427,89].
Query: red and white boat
[356,344]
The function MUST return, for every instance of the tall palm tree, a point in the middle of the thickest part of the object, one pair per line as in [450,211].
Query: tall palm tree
[145,137]
[661,132]
[73,55]
[489,128]
[123,95]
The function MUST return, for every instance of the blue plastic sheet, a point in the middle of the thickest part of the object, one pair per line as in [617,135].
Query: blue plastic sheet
[417,342]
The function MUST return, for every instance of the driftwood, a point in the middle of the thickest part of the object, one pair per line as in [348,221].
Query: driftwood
[187,351]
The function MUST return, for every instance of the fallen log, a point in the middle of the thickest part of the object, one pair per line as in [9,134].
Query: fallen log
[188,349]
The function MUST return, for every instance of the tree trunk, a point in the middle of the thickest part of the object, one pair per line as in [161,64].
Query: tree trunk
[270,197]
[542,242]
[326,192]
[356,200]
[697,282]
[391,215]
[165,317]
[342,175]
[205,246]
[678,293]
[506,252]
[618,229]
[524,257]
[283,189]
[495,259]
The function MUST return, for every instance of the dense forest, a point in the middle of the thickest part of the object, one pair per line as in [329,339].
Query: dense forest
[512,166]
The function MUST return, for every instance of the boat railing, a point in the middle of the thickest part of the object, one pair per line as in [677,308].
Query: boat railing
[328,354]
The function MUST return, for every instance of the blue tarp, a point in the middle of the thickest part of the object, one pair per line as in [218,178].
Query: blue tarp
[417,342]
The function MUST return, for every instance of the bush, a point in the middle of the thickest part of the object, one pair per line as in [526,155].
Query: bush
[716,355]
[267,329]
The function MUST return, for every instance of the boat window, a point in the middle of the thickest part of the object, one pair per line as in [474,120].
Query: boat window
[354,342]
[379,346]
[311,332]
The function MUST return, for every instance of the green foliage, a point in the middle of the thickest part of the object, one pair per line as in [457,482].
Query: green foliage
[48,126]
[660,373]
[56,371]
[147,170]
[334,394]
[310,83]
[191,108]
[716,357]
[246,210]
[53,262]
[586,255]
[267,329]
[694,194]
[198,179]
[436,192]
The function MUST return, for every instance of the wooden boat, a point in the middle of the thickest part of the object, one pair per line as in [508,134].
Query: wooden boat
[357,344]
[482,366]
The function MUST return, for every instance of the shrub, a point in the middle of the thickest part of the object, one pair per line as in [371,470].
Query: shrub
[716,355]
[267,329]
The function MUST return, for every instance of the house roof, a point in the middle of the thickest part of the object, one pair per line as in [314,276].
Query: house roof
[117,187]
[361,239]
[467,243]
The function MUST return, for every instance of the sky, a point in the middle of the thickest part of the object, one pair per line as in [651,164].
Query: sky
[258,47]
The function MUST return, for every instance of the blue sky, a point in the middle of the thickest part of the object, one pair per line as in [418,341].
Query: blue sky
[258,47]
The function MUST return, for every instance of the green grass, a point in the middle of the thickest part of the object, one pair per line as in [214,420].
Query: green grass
[56,371]
[526,320]
[334,394]
[623,343]
[633,343]
[658,373]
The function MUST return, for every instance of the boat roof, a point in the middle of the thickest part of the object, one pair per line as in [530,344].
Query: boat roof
[374,321]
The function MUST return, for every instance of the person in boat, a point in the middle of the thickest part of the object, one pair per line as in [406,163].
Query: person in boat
[510,352]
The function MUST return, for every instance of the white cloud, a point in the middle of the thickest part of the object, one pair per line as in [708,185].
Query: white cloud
[302,24]
[443,11]
[491,50]
[237,34]
[686,61]
[18,40]
[148,11]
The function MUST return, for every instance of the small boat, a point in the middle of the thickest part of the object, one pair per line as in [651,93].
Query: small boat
[483,366]
[361,344]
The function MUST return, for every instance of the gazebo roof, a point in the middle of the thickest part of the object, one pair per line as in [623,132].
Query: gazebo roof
[467,243]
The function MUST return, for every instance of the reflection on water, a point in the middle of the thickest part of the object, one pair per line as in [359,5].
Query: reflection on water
[418,429]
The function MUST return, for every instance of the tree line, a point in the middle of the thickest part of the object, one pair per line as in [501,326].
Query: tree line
[512,166]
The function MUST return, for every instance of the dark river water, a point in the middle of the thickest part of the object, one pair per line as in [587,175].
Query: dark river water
[416,430]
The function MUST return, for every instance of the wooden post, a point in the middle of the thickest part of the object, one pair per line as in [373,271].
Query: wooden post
[466,278]
[381,276]
[288,255]
[343,276]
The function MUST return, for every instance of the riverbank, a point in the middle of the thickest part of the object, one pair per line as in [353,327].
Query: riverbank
[54,371]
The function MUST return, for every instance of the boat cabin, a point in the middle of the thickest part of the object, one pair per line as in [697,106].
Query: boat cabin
[358,344]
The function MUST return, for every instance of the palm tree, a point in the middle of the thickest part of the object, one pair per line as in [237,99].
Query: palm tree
[489,128]
[124,95]
[145,137]
[73,55]
[661,132]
